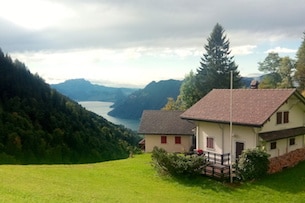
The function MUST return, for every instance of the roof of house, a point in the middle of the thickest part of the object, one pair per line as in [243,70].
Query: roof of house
[156,122]
[251,107]
[286,133]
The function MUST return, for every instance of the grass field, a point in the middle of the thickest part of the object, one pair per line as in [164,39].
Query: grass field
[134,180]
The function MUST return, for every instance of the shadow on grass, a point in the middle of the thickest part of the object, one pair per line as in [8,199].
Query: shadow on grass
[291,180]
[203,182]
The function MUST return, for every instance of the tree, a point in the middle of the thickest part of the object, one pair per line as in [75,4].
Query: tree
[286,69]
[188,92]
[170,105]
[270,66]
[270,81]
[216,64]
[279,71]
[187,97]
[300,65]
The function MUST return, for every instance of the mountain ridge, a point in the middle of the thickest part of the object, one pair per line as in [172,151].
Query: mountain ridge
[152,97]
[80,89]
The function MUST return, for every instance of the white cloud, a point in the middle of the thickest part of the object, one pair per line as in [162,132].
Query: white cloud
[281,50]
[136,41]
[33,14]
[243,50]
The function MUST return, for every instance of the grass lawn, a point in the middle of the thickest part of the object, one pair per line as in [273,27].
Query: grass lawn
[134,180]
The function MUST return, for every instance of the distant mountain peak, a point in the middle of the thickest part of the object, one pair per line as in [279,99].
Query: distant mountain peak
[81,89]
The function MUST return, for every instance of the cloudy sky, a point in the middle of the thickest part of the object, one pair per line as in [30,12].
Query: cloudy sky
[132,42]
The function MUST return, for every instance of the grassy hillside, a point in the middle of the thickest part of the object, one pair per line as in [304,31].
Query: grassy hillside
[39,125]
[134,180]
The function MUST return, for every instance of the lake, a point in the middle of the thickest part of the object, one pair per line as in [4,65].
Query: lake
[102,108]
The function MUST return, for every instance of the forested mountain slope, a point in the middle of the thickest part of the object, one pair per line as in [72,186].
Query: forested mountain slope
[39,125]
[83,90]
[152,97]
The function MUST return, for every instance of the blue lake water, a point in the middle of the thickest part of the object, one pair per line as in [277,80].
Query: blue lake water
[102,108]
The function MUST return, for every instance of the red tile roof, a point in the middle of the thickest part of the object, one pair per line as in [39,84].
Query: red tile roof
[157,122]
[250,106]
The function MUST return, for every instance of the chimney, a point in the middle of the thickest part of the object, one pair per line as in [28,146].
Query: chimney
[254,84]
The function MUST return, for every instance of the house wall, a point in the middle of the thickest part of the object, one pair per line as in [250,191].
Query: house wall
[220,133]
[296,116]
[155,140]
[283,146]
[296,119]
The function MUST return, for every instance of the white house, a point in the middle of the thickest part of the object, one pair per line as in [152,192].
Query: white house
[273,118]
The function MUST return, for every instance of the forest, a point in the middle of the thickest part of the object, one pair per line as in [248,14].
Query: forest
[39,125]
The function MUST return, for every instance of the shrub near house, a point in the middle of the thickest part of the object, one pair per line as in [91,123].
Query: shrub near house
[177,164]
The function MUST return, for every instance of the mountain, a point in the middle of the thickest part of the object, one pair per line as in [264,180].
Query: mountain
[152,97]
[83,90]
[40,125]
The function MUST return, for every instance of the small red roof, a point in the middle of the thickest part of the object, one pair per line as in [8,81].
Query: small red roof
[249,106]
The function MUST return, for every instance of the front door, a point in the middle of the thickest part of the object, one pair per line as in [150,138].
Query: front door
[239,147]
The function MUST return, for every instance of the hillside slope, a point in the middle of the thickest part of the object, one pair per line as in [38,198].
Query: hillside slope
[83,90]
[39,125]
[152,97]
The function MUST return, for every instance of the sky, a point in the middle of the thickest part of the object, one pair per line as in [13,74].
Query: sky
[133,42]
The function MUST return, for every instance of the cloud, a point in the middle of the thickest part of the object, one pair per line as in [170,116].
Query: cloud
[142,39]
[33,14]
[243,50]
[281,50]
[121,24]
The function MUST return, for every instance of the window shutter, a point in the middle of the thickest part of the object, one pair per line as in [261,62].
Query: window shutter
[210,142]
[163,140]
[278,117]
[286,117]
[177,140]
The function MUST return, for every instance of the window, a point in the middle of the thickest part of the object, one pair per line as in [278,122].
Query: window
[210,142]
[292,141]
[273,145]
[178,140]
[163,140]
[282,117]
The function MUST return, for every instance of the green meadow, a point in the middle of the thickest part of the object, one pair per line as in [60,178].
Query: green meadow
[135,180]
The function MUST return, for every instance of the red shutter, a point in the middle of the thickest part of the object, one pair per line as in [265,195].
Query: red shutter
[210,142]
[163,140]
[177,140]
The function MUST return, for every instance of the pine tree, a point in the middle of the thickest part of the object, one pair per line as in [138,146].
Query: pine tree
[216,64]
[300,66]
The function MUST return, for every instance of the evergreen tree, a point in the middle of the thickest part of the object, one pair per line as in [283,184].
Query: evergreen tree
[216,64]
[300,65]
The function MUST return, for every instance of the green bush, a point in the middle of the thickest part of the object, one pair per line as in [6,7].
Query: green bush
[177,164]
[252,164]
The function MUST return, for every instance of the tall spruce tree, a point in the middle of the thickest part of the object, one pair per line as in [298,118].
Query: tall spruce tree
[216,64]
[300,66]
